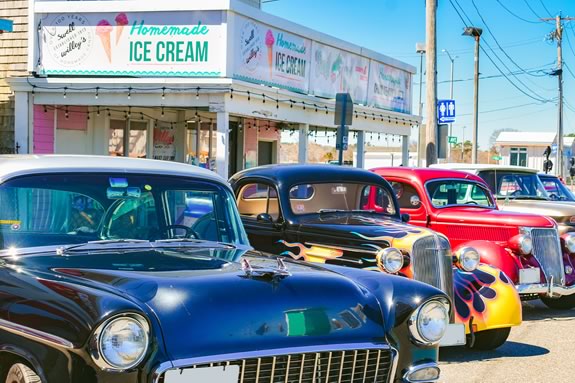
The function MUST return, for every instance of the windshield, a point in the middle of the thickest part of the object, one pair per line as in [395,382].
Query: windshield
[556,189]
[67,209]
[514,185]
[458,192]
[335,197]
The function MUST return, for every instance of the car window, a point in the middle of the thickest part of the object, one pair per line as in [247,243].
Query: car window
[340,197]
[556,189]
[406,195]
[77,208]
[458,192]
[258,198]
[514,184]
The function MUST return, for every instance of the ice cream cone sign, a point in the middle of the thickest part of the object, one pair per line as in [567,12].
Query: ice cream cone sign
[121,22]
[103,30]
[270,40]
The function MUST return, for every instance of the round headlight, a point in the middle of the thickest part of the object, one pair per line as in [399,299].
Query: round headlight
[525,244]
[468,258]
[123,342]
[569,242]
[390,260]
[429,322]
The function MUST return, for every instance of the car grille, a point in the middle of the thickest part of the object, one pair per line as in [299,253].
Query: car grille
[352,366]
[433,263]
[547,251]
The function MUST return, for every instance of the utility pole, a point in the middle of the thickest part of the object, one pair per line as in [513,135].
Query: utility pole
[431,81]
[420,48]
[557,35]
[452,59]
[476,34]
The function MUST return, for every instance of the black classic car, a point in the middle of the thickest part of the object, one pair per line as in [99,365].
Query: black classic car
[126,270]
[350,217]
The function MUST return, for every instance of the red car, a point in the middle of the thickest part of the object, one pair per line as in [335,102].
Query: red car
[459,205]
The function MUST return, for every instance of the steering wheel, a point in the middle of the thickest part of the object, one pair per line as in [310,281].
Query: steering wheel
[190,233]
[554,197]
[471,203]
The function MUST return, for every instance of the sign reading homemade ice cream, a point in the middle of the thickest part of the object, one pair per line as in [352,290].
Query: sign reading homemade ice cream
[134,44]
[270,56]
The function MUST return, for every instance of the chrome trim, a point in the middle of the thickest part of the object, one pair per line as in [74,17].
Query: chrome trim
[545,288]
[36,335]
[183,363]
[542,259]
[418,367]
[394,363]
[343,248]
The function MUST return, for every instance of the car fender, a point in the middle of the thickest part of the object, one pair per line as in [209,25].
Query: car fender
[486,297]
[495,255]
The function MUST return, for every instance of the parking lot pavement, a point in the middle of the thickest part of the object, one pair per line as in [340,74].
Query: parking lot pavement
[542,349]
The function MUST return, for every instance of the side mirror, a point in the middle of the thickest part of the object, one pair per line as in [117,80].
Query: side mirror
[405,217]
[265,217]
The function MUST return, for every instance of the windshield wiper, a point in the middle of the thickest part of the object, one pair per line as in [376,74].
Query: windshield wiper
[193,240]
[327,211]
[65,249]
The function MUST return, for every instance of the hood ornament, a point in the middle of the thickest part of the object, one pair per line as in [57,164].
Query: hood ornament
[281,271]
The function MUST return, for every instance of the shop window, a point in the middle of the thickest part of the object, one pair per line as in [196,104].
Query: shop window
[518,156]
[256,199]
[136,140]
[199,152]
[164,142]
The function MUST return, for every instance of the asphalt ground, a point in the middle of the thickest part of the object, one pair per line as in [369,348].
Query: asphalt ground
[542,349]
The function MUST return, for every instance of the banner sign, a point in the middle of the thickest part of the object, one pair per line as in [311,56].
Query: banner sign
[336,71]
[389,88]
[270,56]
[134,44]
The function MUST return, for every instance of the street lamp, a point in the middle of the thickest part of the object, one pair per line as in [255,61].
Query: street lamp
[452,59]
[476,34]
[420,48]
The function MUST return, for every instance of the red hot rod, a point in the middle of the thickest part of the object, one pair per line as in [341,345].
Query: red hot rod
[459,205]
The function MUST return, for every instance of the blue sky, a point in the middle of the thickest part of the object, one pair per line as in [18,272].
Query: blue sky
[393,27]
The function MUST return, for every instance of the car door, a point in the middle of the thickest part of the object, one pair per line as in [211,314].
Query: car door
[260,211]
[410,201]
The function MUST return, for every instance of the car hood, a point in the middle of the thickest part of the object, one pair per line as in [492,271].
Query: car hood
[209,306]
[552,209]
[378,231]
[492,217]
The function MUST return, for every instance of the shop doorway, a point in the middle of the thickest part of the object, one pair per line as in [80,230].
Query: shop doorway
[267,152]
[235,164]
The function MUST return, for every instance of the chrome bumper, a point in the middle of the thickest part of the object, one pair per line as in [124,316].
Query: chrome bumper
[544,288]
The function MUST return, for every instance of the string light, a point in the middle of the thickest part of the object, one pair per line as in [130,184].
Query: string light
[326,112]
[277,103]
[198,93]
[109,114]
[129,93]
[45,109]
[163,93]
[291,103]
[65,92]
[97,93]
[232,93]
[163,112]
[66,114]
[249,96]
[263,98]
[98,111]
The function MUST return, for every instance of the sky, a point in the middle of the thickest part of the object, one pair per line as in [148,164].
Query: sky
[513,37]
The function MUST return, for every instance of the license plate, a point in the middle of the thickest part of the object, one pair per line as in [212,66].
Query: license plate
[454,335]
[227,374]
[529,276]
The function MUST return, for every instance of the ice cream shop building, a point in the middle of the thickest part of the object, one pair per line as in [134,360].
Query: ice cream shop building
[212,83]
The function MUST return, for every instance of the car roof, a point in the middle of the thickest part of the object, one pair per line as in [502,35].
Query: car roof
[479,167]
[291,174]
[424,174]
[18,165]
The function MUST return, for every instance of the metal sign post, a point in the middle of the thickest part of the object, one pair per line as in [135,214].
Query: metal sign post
[343,118]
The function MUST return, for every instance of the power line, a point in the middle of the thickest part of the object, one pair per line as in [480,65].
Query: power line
[517,16]
[466,23]
[545,7]
[531,9]
[503,109]
[486,77]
